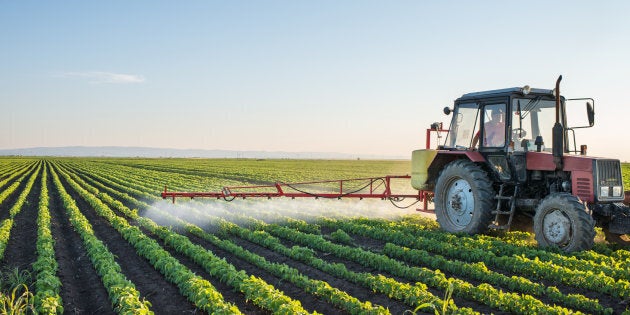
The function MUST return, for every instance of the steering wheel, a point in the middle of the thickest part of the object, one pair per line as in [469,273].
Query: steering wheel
[518,134]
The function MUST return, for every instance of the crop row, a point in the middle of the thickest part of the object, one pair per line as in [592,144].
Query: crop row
[48,285]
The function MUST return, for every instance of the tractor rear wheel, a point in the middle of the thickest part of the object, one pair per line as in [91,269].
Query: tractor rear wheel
[463,198]
[561,221]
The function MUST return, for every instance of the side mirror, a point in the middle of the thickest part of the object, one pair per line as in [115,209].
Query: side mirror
[447,110]
[591,114]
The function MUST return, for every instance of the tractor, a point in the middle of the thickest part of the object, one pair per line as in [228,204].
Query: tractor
[508,153]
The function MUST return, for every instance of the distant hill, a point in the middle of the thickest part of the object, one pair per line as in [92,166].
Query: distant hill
[80,151]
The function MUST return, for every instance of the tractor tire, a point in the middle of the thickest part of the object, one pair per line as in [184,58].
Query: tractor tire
[561,221]
[464,198]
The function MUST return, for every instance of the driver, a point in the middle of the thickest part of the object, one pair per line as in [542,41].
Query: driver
[494,130]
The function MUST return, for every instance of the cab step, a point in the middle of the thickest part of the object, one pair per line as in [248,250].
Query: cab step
[499,212]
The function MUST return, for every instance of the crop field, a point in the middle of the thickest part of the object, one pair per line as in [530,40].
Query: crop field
[93,236]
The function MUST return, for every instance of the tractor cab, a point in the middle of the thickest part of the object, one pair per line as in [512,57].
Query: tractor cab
[500,120]
[512,151]
[502,125]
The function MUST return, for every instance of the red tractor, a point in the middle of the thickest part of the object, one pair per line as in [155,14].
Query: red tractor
[496,163]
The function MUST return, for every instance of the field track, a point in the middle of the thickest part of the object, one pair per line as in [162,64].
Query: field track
[94,237]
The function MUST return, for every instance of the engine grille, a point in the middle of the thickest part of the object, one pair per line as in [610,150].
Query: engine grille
[608,174]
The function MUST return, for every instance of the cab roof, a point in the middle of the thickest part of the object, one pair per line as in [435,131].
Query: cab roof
[504,92]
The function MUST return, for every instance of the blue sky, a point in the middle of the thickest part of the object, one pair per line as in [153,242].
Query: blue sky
[363,77]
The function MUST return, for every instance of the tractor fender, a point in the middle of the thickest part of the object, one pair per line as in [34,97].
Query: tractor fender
[438,160]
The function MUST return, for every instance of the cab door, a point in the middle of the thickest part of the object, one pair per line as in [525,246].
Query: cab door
[493,138]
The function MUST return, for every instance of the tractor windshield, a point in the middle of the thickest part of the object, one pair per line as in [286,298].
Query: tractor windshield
[531,118]
[463,126]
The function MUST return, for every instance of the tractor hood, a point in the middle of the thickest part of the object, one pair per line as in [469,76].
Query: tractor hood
[593,179]
[543,161]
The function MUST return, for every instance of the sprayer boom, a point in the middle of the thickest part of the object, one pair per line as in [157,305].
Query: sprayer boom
[375,187]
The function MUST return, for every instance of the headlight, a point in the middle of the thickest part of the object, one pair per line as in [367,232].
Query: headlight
[617,191]
[603,192]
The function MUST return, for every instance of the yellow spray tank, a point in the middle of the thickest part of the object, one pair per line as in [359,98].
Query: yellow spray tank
[420,161]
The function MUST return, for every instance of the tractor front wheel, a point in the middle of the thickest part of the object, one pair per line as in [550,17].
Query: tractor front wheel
[463,198]
[561,221]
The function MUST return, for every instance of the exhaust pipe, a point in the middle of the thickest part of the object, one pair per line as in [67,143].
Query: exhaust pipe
[558,131]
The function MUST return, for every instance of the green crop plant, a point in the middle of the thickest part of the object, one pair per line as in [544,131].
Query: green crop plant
[341,237]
